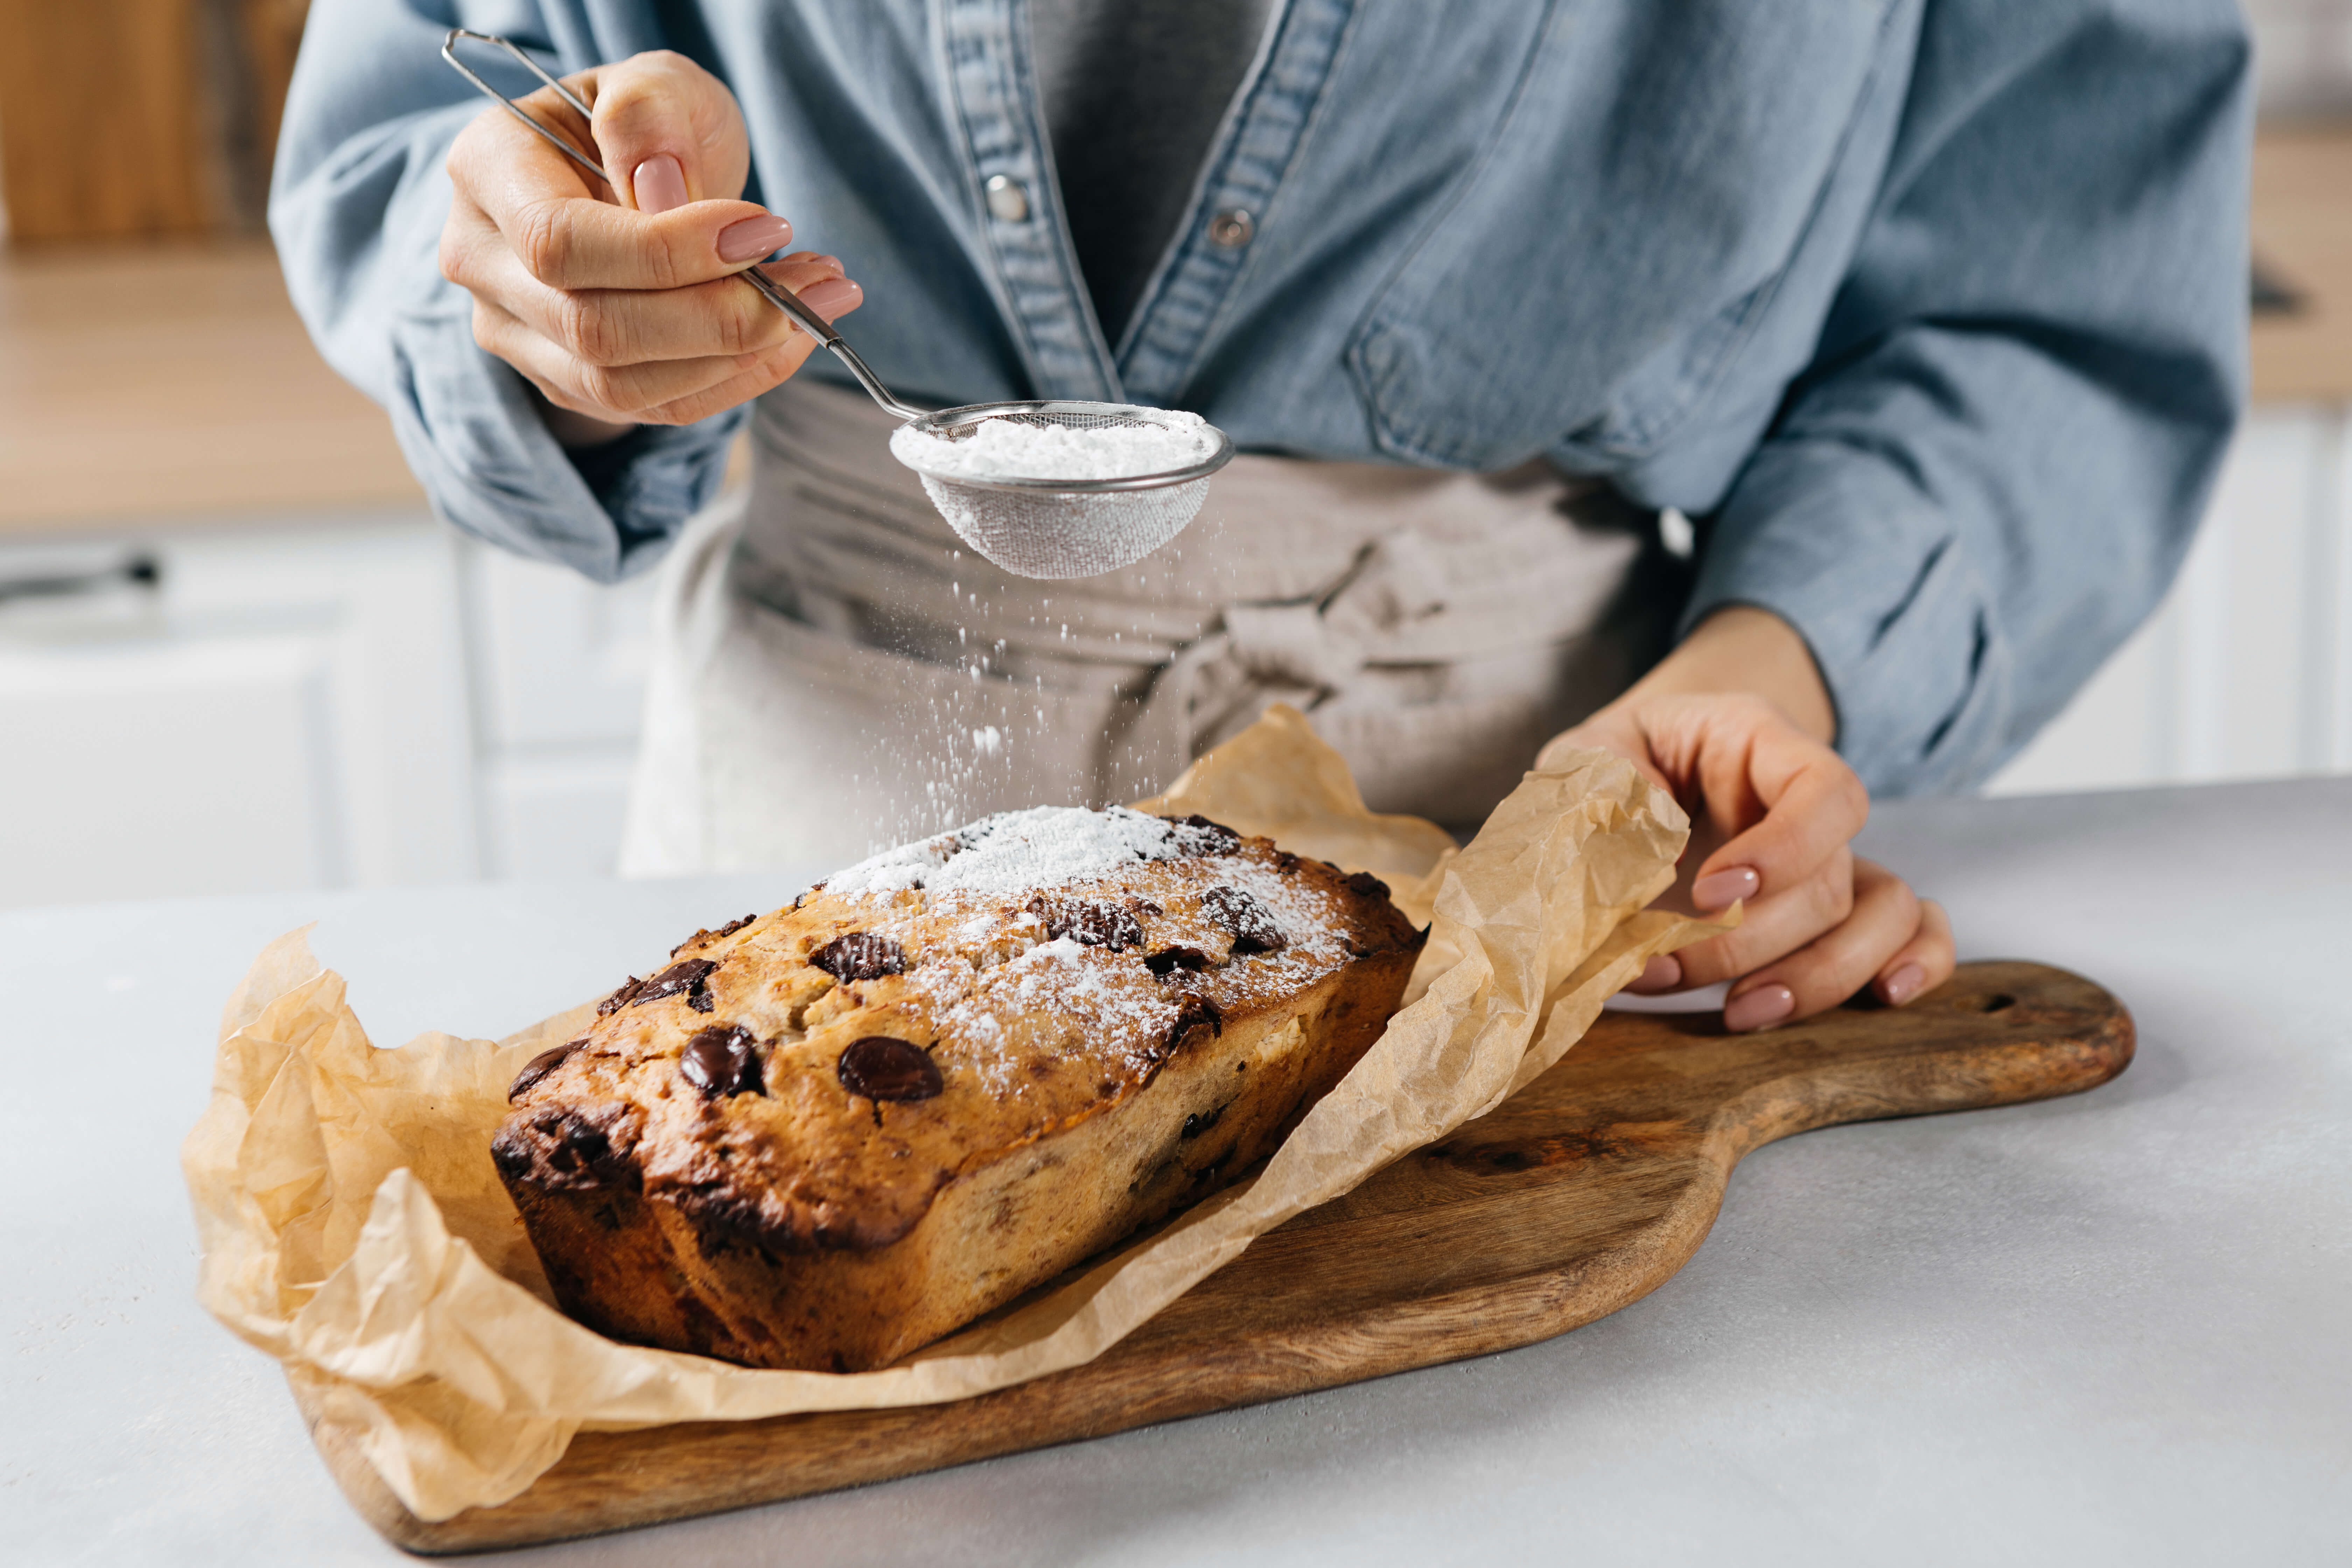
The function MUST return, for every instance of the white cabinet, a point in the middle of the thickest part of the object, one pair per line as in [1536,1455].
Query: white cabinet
[277,709]
[2302,55]
[324,703]
[561,673]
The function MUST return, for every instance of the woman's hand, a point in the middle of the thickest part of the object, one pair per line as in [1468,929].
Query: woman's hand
[619,304]
[1736,724]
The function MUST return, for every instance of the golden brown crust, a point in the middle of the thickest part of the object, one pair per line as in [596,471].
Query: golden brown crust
[778,1148]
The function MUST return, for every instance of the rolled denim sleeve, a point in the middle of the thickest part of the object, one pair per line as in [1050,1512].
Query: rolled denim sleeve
[356,208]
[1993,467]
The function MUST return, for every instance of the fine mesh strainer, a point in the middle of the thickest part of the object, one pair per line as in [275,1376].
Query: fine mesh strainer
[1067,527]
[1031,527]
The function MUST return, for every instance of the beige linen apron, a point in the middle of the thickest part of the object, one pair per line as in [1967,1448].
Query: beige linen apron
[834,672]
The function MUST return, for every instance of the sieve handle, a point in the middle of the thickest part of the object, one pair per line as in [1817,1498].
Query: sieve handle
[450,53]
[774,292]
[817,327]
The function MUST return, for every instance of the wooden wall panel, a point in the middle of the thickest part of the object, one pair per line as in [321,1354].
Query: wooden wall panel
[103,129]
[270,31]
[130,119]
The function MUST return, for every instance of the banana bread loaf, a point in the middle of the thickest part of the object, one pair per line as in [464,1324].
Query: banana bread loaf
[828,1135]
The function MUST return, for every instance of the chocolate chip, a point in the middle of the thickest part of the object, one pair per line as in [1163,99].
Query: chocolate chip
[591,1145]
[1168,960]
[1145,907]
[720,1061]
[1285,861]
[540,1065]
[511,1152]
[1192,1010]
[705,938]
[883,1066]
[1196,1124]
[570,1148]
[1196,835]
[1087,923]
[1364,885]
[688,977]
[860,955]
[1252,925]
[621,998]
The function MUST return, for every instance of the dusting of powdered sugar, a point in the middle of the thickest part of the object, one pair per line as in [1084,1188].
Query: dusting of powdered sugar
[1061,978]
[983,968]
[1016,852]
[1016,450]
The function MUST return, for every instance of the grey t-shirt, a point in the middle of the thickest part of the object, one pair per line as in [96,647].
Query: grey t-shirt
[1132,94]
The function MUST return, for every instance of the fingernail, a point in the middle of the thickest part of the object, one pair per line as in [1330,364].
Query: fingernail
[754,237]
[832,263]
[834,297]
[1663,973]
[1905,983]
[660,184]
[1721,889]
[1759,1009]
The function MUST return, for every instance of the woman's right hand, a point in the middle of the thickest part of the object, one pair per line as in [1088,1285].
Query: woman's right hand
[620,306]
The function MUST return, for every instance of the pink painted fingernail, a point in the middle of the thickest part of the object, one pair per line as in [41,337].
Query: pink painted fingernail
[834,297]
[754,237]
[1905,983]
[660,184]
[1721,889]
[1663,973]
[1759,1009]
[832,261]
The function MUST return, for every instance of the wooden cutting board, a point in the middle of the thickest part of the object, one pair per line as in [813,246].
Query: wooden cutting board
[1582,1194]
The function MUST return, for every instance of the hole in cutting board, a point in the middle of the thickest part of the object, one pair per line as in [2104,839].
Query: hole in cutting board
[1998,1002]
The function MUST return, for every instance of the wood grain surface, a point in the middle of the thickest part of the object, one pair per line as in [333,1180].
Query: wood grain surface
[104,131]
[174,385]
[1584,1193]
[2302,234]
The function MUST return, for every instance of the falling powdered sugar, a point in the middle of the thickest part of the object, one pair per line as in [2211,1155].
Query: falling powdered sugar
[1018,852]
[1017,450]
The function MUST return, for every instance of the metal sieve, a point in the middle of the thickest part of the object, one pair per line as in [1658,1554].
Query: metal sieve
[1031,527]
[1067,527]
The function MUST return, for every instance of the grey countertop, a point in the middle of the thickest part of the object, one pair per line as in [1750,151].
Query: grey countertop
[2113,1328]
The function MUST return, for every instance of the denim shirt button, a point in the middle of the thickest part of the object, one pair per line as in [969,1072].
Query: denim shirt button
[1231,228]
[1008,198]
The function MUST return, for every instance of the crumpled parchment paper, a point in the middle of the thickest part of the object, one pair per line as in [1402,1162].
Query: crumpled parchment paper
[353,1226]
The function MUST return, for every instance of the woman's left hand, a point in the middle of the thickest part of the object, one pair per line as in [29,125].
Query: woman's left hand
[1773,813]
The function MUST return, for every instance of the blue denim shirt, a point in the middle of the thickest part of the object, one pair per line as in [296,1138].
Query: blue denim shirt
[1930,311]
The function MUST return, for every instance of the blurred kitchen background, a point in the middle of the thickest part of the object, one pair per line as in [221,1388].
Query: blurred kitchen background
[238,654]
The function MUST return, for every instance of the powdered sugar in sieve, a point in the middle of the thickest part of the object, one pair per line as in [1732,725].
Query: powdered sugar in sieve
[1064,489]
